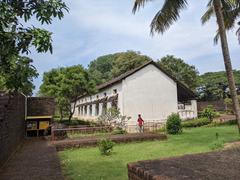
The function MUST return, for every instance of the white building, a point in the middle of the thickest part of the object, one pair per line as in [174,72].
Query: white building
[147,90]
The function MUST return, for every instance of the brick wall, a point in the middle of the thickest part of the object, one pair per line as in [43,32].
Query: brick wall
[218,105]
[40,106]
[12,124]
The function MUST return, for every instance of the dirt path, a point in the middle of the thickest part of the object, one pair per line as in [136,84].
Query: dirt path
[35,160]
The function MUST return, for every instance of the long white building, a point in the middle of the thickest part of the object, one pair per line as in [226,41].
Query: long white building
[147,90]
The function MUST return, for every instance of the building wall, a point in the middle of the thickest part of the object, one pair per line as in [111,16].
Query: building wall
[151,93]
[12,124]
[109,92]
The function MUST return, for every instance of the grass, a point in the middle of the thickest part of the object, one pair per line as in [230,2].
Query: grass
[88,164]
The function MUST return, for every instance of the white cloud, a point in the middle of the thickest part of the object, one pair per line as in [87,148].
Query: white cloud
[93,28]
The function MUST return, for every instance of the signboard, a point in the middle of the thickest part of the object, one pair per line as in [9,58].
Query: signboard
[43,124]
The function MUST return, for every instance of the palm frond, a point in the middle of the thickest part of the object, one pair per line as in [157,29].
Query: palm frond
[138,4]
[208,14]
[169,13]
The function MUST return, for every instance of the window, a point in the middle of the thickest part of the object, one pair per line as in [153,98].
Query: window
[97,109]
[90,110]
[85,110]
[105,94]
[97,96]
[115,91]
[79,111]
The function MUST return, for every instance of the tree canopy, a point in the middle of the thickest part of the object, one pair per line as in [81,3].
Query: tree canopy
[214,85]
[16,37]
[109,66]
[66,84]
[182,71]
[20,76]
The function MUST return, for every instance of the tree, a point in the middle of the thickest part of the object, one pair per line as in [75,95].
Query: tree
[128,61]
[66,85]
[100,68]
[20,76]
[230,11]
[104,68]
[170,13]
[16,37]
[214,85]
[180,70]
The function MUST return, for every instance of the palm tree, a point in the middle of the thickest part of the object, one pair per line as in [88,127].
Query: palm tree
[170,12]
[231,12]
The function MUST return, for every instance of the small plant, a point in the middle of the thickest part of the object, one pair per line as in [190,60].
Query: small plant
[217,144]
[105,146]
[209,113]
[174,125]
[119,131]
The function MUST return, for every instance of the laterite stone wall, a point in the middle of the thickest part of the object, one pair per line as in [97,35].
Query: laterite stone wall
[12,124]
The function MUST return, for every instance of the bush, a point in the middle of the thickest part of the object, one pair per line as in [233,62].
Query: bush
[105,146]
[174,125]
[196,122]
[119,131]
[209,113]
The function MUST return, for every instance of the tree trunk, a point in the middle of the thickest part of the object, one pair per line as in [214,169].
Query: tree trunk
[227,61]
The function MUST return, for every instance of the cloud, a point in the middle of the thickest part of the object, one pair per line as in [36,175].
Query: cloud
[94,28]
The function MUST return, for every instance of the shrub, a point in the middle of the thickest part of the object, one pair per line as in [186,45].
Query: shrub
[209,113]
[119,131]
[196,122]
[174,125]
[105,146]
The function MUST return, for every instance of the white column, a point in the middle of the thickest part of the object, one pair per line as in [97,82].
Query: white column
[194,108]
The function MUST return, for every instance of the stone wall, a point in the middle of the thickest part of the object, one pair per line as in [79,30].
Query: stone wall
[12,124]
[40,106]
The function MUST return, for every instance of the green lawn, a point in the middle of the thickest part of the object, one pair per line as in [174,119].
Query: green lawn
[88,164]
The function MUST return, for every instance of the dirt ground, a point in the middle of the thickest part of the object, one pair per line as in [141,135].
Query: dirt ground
[35,160]
[214,165]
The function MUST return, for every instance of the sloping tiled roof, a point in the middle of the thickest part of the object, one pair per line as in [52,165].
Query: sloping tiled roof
[184,93]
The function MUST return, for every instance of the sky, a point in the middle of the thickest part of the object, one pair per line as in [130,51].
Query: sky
[93,28]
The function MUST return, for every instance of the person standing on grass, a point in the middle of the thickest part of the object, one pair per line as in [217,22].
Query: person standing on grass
[140,123]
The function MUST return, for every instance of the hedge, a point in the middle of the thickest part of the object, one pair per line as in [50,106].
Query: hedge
[196,122]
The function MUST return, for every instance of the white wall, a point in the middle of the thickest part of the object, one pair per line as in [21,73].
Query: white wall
[100,94]
[151,93]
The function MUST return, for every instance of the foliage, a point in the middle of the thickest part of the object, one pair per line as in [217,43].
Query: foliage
[87,164]
[216,145]
[173,125]
[209,113]
[19,77]
[119,130]
[214,85]
[66,85]
[184,72]
[231,12]
[105,146]
[196,122]
[128,61]
[104,68]
[112,117]
[15,37]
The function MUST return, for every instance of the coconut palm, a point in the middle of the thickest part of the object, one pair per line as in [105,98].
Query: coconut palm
[231,13]
[170,13]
